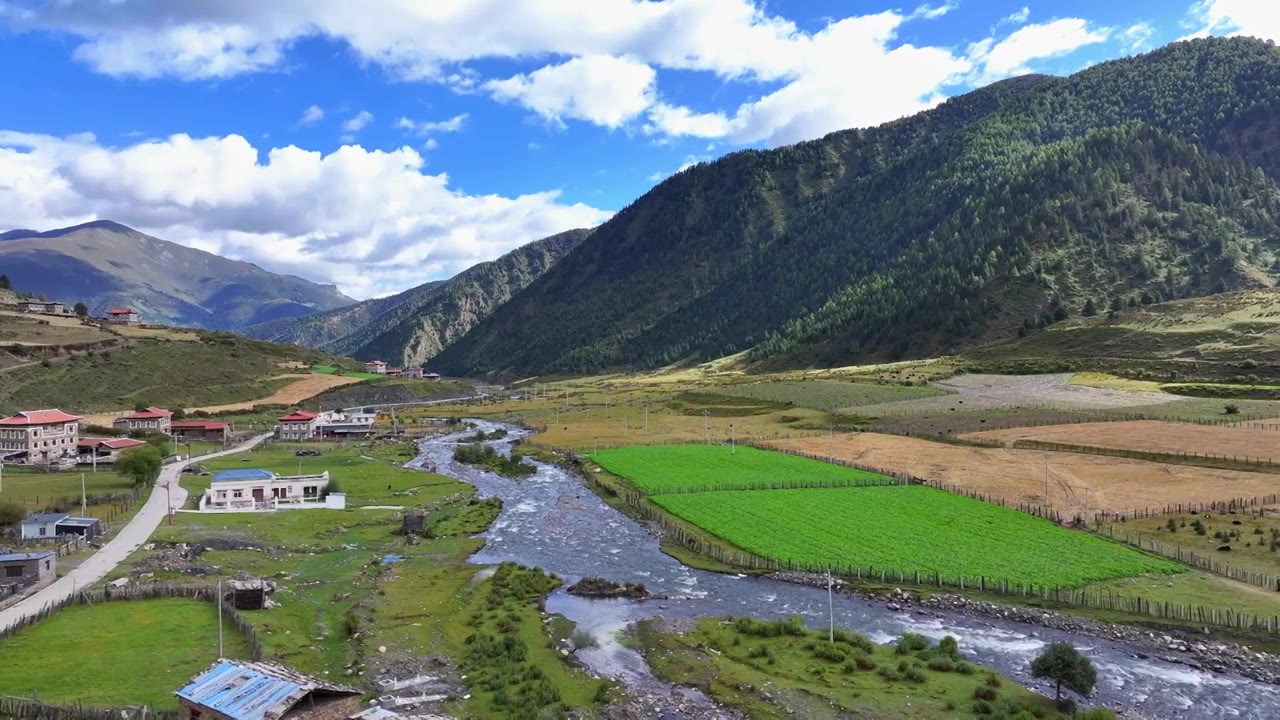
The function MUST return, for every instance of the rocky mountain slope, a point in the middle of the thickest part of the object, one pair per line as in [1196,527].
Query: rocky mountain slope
[106,264]
[412,327]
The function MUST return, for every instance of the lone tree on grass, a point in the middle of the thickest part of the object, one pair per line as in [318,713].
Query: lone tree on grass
[82,310]
[141,464]
[1066,667]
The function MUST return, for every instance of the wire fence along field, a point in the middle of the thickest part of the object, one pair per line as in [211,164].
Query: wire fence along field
[1227,462]
[1208,564]
[39,710]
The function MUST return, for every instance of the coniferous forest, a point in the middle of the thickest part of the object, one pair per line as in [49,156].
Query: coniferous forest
[992,215]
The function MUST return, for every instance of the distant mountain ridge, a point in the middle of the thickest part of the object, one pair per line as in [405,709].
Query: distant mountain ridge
[994,213]
[106,264]
[412,327]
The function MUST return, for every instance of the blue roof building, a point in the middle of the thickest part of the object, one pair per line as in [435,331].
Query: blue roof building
[242,690]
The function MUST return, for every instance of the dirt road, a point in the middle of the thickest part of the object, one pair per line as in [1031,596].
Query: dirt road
[1077,483]
[1151,436]
[129,539]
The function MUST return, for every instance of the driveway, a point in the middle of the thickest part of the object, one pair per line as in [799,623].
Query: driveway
[128,539]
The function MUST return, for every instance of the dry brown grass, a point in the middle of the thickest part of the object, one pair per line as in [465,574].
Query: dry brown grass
[1150,436]
[26,329]
[1077,483]
[159,333]
[304,389]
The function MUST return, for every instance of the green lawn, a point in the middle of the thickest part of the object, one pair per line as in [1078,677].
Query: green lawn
[334,370]
[829,394]
[369,475]
[909,528]
[116,653]
[659,469]
[36,489]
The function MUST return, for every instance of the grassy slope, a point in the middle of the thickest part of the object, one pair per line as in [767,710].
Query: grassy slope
[220,368]
[829,394]
[116,653]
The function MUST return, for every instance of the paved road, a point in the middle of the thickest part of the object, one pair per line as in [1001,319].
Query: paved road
[128,539]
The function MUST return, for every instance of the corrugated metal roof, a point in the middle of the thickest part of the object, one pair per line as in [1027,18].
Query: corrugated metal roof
[46,517]
[79,522]
[245,474]
[253,691]
[24,557]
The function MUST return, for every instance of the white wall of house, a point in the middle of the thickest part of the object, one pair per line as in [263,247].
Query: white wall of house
[265,494]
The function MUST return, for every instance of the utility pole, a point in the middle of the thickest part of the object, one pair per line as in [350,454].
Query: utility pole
[606,409]
[168,497]
[1046,479]
[1,477]
[706,426]
[733,447]
[84,499]
[646,419]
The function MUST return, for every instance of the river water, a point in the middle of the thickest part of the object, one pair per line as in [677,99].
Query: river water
[552,521]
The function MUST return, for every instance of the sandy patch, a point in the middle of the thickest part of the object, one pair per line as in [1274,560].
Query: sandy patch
[1152,436]
[992,392]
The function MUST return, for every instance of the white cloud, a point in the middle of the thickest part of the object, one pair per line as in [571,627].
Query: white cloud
[1257,18]
[1137,37]
[313,114]
[358,122]
[601,89]
[1012,55]
[931,12]
[671,120]
[431,127]
[369,220]
[689,162]
[1017,18]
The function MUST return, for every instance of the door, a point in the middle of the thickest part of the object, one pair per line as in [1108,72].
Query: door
[258,495]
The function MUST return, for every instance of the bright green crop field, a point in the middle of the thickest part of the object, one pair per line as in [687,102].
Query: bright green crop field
[656,469]
[909,528]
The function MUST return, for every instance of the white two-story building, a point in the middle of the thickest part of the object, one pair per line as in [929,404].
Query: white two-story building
[256,489]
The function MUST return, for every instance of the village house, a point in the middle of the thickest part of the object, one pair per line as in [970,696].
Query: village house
[345,425]
[203,430]
[104,451]
[151,419]
[48,526]
[123,316]
[256,489]
[297,425]
[376,366]
[429,375]
[242,690]
[42,307]
[22,570]
[40,437]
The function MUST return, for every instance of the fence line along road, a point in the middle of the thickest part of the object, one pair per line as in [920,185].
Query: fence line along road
[129,538]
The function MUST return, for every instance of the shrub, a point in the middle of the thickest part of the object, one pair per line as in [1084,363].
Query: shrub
[911,642]
[829,652]
[982,707]
[993,680]
[985,692]
[1231,409]
[949,646]
[865,662]
[941,664]
[1098,713]
[856,640]
[965,668]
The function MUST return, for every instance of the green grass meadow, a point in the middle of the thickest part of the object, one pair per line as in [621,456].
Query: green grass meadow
[656,469]
[116,653]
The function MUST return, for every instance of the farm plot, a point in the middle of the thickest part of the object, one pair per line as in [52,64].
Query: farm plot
[1151,436]
[829,394]
[992,392]
[657,469]
[909,528]
[1077,484]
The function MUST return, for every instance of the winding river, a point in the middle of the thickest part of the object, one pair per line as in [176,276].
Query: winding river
[552,521]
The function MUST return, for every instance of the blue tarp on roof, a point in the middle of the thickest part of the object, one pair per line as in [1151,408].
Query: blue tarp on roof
[246,474]
[253,691]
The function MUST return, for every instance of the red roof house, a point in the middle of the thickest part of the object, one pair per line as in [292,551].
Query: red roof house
[29,418]
[199,430]
[122,316]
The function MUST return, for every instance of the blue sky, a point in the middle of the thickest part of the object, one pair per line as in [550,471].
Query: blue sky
[379,145]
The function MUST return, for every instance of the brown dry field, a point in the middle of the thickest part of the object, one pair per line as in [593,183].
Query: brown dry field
[1150,436]
[1078,483]
[307,387]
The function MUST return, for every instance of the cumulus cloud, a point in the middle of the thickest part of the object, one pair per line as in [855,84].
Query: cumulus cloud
[313,114]
[1019,17]
[371,221]
[1257,18]
[600,89]
[358,122]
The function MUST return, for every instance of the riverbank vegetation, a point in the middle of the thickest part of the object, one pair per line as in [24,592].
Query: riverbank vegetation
[781,669]
[508,466]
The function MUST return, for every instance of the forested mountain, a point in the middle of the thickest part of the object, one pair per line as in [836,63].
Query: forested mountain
[106,264]
[412,327]
[993,214]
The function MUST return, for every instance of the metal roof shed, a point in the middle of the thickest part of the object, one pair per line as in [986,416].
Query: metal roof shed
[242,690]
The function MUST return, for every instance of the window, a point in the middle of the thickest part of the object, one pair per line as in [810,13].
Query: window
[222,494]
[237,493]
[195,714]
[44,531]
[46,564]
[13,571]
